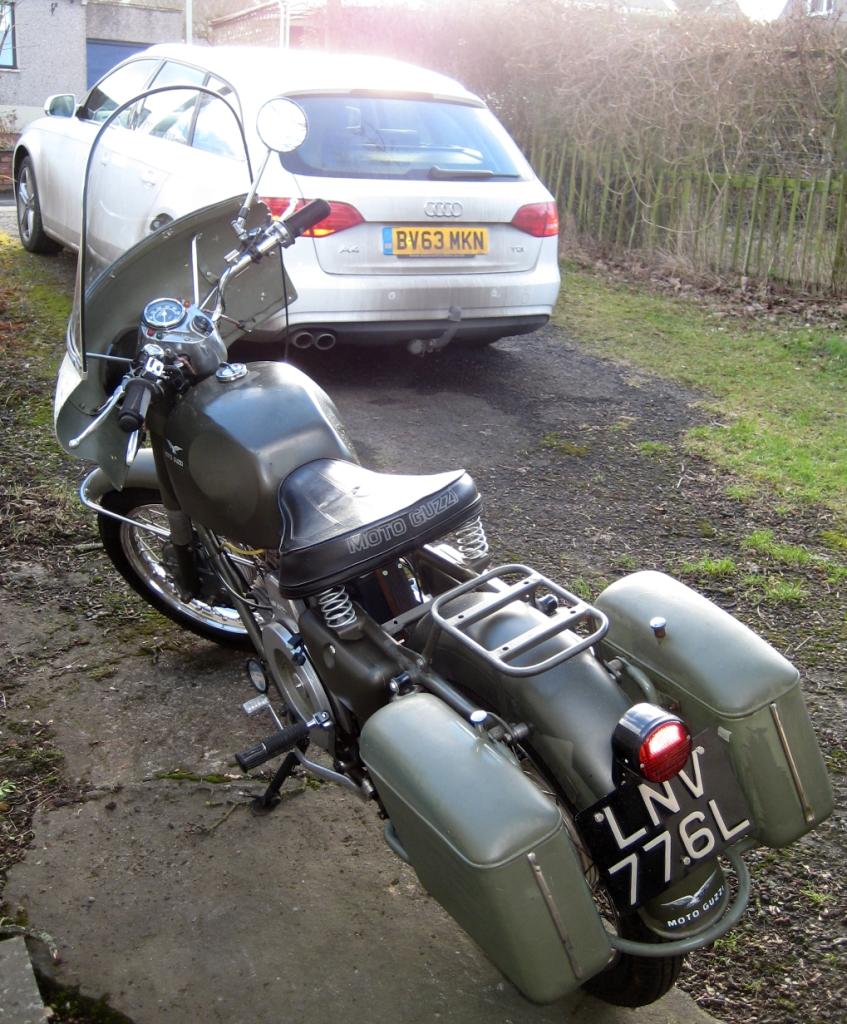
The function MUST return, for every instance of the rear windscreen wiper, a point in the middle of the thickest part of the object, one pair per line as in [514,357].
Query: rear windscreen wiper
[457,174]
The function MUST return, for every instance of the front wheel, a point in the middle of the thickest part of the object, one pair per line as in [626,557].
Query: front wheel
[30,228]
[140,557]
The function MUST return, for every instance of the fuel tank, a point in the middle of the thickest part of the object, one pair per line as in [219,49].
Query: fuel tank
[229,444]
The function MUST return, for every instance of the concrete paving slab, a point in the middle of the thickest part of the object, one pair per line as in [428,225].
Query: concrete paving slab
[178,904]
[20,1000]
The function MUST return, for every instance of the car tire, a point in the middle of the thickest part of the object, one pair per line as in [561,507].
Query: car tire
[30,228]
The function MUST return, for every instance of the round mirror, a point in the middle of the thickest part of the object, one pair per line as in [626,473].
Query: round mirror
[282,125]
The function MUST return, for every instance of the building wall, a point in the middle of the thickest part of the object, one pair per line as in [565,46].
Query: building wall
[51,37]
[135,22]
[44,29]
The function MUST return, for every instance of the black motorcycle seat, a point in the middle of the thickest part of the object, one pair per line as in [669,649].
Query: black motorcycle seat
[340,520]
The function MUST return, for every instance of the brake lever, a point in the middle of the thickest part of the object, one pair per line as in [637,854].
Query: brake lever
[75,442]
[132,446]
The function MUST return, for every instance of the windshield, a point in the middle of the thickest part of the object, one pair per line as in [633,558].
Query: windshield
[388,137]
[130,254]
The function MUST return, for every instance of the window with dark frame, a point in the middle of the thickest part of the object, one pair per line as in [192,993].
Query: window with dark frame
[8,55]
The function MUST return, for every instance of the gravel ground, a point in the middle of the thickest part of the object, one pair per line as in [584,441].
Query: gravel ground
[584,475]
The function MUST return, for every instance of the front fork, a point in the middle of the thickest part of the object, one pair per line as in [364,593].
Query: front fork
[186,576]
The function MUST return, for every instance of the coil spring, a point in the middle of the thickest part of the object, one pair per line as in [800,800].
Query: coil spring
[473,543]
[337,608]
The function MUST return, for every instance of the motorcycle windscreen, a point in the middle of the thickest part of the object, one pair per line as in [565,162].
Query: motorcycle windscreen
[131,254]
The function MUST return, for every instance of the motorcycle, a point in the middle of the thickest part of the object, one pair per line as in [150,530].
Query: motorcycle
[569,779]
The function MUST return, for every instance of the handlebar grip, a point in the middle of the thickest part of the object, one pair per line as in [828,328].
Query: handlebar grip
[311,214]
[135,404]
[280,742]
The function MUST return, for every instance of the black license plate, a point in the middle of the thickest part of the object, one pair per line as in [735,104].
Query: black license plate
[646,835]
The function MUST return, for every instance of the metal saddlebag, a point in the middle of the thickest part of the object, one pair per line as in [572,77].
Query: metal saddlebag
[723,676]
[487,844]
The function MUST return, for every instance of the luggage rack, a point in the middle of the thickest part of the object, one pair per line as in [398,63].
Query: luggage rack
[496,592]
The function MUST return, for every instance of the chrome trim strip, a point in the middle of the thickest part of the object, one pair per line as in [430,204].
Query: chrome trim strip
[808,812]
[553,910]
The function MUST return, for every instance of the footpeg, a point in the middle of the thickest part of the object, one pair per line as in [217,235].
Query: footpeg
[278,743]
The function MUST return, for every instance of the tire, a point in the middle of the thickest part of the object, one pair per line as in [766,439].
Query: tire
[30,227]
[635,980]
[137,554]
[628,980]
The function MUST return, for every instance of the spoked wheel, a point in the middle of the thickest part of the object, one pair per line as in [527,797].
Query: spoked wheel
[140,557]
[628,980]
[30,227]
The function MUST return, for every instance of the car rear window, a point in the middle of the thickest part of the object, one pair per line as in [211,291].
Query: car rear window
[389,137]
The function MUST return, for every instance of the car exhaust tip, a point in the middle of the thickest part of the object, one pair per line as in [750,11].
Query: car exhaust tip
[303,339]
[325,341]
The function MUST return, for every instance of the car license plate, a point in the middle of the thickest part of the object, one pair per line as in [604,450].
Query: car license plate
[645,836]
[432,241]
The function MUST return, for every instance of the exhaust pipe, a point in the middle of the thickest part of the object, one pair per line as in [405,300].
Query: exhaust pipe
[325,341]
[303,339]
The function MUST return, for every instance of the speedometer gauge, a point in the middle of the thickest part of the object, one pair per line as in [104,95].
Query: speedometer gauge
[163,314]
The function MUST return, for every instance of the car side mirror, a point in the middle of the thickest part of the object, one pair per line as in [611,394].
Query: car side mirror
[61,105]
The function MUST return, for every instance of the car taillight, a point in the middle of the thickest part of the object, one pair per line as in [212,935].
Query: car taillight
[652,742]
[538,219]
[341,215]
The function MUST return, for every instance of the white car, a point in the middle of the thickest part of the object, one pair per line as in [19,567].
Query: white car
[439,227]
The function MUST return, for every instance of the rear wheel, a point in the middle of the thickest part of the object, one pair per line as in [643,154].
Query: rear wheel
[30,227]
[628,980]
[140,556]
[634,980]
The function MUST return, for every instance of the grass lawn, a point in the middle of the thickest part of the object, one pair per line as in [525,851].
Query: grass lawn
[776,384]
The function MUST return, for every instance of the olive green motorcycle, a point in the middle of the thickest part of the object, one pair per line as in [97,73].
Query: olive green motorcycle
[574,782]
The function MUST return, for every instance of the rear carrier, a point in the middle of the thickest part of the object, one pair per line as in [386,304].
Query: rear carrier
[487,844]
[721,675]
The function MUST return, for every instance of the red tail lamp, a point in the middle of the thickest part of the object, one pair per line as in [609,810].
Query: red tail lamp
[652,742]
[541,220]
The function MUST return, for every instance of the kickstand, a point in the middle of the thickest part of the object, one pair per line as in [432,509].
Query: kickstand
[270,798]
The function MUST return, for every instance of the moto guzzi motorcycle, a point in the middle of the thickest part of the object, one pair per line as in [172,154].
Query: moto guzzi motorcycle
[568,779]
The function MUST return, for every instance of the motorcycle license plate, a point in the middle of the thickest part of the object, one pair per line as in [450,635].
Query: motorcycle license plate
[432,241]
[645,835]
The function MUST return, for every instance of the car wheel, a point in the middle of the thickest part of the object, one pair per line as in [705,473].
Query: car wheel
[30,228]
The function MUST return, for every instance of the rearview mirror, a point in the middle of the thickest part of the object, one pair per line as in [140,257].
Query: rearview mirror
[282,124]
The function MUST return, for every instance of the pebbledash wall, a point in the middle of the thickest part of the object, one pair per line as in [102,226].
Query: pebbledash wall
[51,37]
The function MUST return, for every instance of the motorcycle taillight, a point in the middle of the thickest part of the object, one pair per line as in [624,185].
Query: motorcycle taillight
[341,215]
[653,742]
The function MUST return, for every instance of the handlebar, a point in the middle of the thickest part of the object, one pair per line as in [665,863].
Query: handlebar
[278,232]
[137,395]
[311,214]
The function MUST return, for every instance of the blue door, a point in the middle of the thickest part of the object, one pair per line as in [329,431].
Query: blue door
[102,56]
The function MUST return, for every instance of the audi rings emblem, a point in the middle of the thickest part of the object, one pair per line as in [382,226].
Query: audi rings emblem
[443,209]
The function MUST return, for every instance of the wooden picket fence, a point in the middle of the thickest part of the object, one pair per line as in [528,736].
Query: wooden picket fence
[760,225]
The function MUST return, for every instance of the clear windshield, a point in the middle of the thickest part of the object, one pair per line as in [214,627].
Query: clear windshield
[158,217]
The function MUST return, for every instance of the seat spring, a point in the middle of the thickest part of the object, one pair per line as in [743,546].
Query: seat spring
[472,543]
[337,608]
